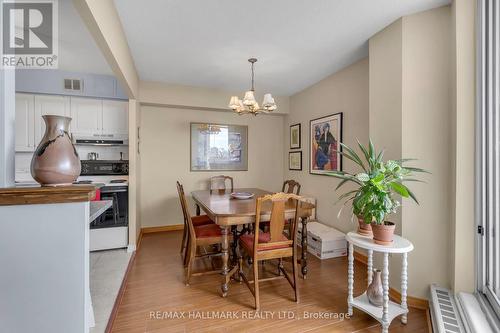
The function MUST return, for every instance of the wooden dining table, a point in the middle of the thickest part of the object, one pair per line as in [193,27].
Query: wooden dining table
[228,213]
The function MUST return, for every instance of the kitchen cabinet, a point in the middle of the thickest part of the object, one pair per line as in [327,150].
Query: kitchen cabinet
[115,119]
[25,123]
[49,104]
[86,114]
[99,118]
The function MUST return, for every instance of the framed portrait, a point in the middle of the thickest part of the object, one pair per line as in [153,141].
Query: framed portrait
[295,136]
[216,147]
[325,134]
[295,160]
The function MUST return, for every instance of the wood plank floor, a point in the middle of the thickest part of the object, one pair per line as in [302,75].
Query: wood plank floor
[155,284]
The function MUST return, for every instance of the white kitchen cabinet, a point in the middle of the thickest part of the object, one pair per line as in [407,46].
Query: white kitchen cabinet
[49,105]
[25,123]
[86,114]
[114,119]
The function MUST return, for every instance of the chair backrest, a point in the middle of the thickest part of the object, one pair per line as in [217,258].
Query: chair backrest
[188,223]
[219,183]
[279,202]
[289,186]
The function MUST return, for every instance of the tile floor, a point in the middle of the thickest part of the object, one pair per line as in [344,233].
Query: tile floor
[107,269]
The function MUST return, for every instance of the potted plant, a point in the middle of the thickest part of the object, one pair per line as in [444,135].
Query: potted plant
[376,187]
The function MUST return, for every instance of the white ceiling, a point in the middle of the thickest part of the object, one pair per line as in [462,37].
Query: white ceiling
[298,42]
[78,51]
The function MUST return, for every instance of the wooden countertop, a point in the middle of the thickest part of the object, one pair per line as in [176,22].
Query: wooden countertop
[29,195]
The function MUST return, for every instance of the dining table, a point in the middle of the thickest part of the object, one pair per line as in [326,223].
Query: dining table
[228,213]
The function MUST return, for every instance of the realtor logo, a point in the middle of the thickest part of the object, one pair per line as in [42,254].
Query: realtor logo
[29,34]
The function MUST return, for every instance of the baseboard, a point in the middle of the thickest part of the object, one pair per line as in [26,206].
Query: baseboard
[148,230]
[119,297]
[414,302]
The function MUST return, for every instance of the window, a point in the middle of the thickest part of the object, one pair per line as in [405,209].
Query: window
[488,153]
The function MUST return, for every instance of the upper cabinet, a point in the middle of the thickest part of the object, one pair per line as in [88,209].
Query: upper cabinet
[114,118]
[49,104]
[91,118]
[86,114]
[25,122]
[99,118]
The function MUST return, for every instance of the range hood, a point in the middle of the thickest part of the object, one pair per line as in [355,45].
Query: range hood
[101,142]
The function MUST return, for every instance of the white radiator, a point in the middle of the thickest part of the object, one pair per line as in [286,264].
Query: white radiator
[444,312]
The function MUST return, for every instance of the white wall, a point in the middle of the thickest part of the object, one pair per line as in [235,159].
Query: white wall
[165,158]
[7,126]
[345,91]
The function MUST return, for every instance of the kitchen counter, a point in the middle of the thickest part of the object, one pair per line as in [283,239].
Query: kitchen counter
[30,195]
[97,208]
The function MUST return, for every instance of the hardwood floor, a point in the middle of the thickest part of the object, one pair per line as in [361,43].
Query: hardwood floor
[155,291]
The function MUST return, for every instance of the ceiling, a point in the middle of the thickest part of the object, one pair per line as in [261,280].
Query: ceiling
[78,51]
[207,43]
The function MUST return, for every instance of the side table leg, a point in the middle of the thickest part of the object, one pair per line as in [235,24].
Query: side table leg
[404,287]
[370,266]
[198,212]
[350,279]
[303,260]
[225,259]
[385,286]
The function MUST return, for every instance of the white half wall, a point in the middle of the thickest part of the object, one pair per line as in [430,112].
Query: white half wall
[7,126]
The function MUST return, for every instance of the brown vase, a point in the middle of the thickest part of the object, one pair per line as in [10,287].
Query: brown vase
[364,228]
[383,233]
[375,292]
[55,161]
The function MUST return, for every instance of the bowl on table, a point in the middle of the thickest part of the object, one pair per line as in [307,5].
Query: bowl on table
[242,195]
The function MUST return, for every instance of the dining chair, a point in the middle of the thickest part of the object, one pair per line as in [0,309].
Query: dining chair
[219,183]
[271,245]
[197,221]
[199,236]
[290,185]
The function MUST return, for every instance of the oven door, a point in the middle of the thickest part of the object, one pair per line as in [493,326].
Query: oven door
[117,214]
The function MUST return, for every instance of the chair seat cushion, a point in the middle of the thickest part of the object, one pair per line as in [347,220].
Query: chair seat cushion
[264,237]
[207,230]
[201,220]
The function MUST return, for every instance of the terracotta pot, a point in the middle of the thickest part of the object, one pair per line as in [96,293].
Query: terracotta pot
[55,161]
[383,233]
[375,292]
[364,228]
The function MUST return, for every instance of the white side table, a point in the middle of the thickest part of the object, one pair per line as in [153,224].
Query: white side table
[390,310]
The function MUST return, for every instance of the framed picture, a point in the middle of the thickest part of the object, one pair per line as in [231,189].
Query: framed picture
[295,136]
[295,160]
[325,133]
[217,147]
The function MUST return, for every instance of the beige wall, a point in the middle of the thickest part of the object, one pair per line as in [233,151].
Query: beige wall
[419,81]
[134,173]
[345,91]
[165,158]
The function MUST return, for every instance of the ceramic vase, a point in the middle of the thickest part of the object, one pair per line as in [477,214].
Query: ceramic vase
[55,161]
[383,233]
[364,228]
[375,292]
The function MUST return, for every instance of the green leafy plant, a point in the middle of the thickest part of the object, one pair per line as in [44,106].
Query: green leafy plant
[377,184]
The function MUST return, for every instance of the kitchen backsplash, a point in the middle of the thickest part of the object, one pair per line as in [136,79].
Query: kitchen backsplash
[23,160]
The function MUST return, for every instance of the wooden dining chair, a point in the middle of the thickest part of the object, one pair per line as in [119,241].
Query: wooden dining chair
[271,245]
[197,221]
[198,236]
[219,183]
[291,186]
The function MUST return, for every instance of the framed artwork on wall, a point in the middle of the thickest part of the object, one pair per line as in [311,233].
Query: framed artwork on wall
[295,136]
[325,133]
[216,147]
[295,160]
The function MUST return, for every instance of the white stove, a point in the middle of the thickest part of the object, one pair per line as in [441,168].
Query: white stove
[115,180]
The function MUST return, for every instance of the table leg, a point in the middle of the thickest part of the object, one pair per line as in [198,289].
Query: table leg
[198,212]
[225,259]
[350,279]
[385,286]
[303,260]
[234,245]
[370,266]
[404,287]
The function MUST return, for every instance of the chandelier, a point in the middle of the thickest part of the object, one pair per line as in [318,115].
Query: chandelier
[209,129]
[249,104]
